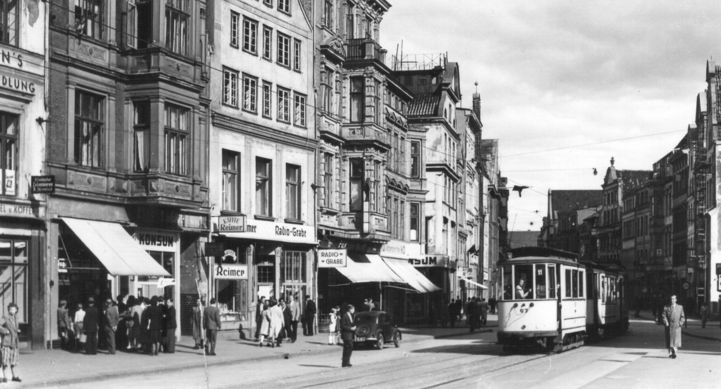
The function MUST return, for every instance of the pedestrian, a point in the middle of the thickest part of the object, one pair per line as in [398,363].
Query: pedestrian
[295,313]
[704,314]
[171,324]
[10,342]
[90,326]
[347,326]
[492,304]
[197,323]
[136,330]
[309,317]
[452,316]
[484,312]
[111,317]
[287,319]
[121,334]
[673,318]
[264,328]
[211,323]
[65,325]
[332,324]
[78,320]
[152,323]
[259,316]
[276,323]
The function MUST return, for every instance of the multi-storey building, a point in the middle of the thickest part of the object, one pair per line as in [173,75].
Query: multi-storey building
[23,123]
[494,228]
[262,155]
[658,270]
[636,242]
[127,136]
[566,211]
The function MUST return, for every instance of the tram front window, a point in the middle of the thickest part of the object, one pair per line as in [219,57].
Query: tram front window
[524,282]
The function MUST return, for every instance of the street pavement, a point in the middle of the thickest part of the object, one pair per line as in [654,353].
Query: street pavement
[427,358]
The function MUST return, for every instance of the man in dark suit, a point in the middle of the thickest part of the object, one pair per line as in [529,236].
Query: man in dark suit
[309,317]
[211,323]
[90,326]
[111,317]
[347,328]
[170,325]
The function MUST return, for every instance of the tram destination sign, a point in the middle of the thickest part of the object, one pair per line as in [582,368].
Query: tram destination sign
[42,184]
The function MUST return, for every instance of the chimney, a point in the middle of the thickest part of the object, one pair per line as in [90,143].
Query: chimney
[477,102]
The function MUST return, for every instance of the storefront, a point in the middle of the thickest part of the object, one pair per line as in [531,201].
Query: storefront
[260,259]
[432,308]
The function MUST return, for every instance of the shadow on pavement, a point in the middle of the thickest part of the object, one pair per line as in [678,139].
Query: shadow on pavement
[475,348]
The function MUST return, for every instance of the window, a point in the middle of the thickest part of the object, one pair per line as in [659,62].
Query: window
[267,99]
[581,276]
[268,3]
[574,283]
[292,191]
[568,283]
[267,43]
[523,282]
[283,56]
[263,187]
[284,6]
[328,180]
[328,14]
[88,18]
[326,89]
[9,22]
[507,282]
[299,109]
[552,281]
[139,24]
[415,222]
[415,159]
[283,105]
[357,106]
[141,135]
[293,267]
[378,101]
[8,152]
[89,123]
[376,183]
[177,129]
[250,93]
[231,181]
[296,55]
[234,21]
[230,87]
[540,281]
[177,26]
[356,184]
[250,36]
[14,267]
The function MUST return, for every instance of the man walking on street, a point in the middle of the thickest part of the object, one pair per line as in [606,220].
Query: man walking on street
[347,328]
[673,317]
[309,317]
[197,321]
[259,316]
[211,322]
[111,317]
[295,312]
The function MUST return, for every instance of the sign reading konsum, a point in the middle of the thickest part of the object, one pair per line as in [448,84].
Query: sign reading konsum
[268,230]
[333,258]
[401,250]
[156,240]
[231,272]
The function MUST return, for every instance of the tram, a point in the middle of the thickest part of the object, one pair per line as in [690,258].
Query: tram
[550,298]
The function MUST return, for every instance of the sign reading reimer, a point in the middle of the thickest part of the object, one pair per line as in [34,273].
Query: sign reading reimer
[231,272]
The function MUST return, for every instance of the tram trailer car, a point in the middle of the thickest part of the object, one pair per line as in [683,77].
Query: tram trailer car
[551,299]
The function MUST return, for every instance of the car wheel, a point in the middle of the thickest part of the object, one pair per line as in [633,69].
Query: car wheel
[380,341]
[397,339]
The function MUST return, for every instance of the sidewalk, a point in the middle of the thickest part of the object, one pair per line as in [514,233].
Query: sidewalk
[693,327]
[41,368]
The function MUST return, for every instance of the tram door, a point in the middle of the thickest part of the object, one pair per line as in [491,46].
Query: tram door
[573,308]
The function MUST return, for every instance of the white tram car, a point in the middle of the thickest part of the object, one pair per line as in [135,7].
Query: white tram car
[550,298]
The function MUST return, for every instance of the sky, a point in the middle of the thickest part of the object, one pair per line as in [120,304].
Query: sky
[614,78]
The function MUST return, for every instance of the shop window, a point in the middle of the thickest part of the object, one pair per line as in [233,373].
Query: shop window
[267,99]
[231,181]
[250,36]
[552,281]
[141,135]
[230,87]
[523,282]
[250,93]
[508,286]
[357,105]
[263,187]
[328,180]
[356,184]
[284,6]
[14,275]
[267,43]
[177,133]
[266,273]
[89,124]
[167,261]
[9,22]
[8,153]
[293,267]
[139,24]
[88,17]
[299,109]
[415,159]
[415,222]
[292,191]
[540,281]
[177,26]
[283,105]
[283,57]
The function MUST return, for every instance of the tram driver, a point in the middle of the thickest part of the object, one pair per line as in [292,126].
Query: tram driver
[521,291]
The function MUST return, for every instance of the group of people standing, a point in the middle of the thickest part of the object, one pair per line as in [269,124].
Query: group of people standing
[277,320]
[476,312]
[139,324]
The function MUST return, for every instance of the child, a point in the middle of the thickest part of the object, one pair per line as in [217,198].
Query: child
[10,344]
[332,327]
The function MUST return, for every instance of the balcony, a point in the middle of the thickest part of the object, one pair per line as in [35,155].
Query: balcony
[365,133]
[365,49]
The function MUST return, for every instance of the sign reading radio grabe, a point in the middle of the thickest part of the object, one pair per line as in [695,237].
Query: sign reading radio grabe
[333,258]
[231,272]
[42,184]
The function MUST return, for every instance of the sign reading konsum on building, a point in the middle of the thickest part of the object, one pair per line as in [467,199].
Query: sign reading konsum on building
[238,227]
[156,240]
[402,250]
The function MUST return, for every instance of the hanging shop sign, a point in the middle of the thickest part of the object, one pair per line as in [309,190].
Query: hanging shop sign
[42,184]
[401,250]
[333,258]
[231,272]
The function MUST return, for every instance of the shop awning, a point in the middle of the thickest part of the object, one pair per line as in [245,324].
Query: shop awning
[411,276]
[115,248]
[368,268]
[473,283]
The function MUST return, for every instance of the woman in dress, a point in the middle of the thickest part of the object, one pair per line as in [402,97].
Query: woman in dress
[264,323]
[153,324]
[276,322]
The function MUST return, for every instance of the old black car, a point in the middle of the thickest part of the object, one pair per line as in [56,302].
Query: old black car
[376,328]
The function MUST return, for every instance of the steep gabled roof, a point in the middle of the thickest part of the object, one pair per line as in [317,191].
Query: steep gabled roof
[424,105]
